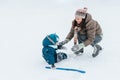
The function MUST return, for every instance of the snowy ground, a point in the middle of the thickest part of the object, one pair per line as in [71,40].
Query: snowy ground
[24,23]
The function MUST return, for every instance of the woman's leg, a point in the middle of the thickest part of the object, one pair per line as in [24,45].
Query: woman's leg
[97,48]
[97,39]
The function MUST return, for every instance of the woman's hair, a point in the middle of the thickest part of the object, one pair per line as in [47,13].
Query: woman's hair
[81,25]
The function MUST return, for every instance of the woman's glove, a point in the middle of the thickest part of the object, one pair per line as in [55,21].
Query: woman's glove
[77,47]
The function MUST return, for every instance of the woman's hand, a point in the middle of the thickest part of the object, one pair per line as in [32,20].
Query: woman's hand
[77,47]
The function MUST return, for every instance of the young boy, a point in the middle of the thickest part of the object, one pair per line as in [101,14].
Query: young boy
[50,48]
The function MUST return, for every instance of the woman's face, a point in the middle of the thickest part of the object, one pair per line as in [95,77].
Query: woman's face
[78,19]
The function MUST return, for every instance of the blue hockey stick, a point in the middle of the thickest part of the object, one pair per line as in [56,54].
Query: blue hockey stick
[67,69]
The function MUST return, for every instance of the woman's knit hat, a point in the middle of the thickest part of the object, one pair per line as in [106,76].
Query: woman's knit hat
[81,12]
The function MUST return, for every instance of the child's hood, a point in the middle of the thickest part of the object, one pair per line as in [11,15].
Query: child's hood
[51,39]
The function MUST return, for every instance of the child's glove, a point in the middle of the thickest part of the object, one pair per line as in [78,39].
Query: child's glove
[61,47]
[77,47]
[60,44]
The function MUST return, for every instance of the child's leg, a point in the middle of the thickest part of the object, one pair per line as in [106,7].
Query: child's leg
[61,56]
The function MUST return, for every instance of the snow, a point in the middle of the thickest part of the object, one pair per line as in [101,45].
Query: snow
[24,24]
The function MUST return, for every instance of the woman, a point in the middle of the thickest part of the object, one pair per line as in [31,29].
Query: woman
[88,32]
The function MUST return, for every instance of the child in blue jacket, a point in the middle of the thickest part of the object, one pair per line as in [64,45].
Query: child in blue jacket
[50,48]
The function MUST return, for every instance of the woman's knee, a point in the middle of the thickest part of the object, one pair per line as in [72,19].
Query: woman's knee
[97,39]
